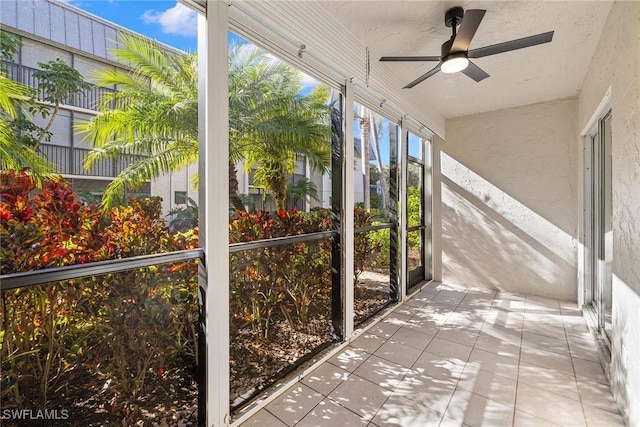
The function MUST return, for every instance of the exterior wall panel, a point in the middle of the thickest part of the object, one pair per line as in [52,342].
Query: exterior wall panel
[41,16]
[72,27]
[57,26]
[616,67]
[509,191]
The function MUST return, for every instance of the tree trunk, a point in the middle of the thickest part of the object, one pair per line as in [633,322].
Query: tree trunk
[365,131]
[376,144]
[234,198]
[279,190]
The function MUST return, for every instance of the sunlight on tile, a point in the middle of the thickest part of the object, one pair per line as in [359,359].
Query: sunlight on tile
[450,358]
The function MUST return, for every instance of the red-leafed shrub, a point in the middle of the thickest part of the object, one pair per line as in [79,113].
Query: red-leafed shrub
[130,324]
[286,276]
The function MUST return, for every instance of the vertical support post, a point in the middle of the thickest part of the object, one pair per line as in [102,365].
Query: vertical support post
[348,206]
[213,165]
[394,292]
[436,204]
[427,208]
[402,215]
[337,216]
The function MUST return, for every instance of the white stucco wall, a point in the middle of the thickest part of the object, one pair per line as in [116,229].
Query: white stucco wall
[508,187]
[616,65]
[166,185]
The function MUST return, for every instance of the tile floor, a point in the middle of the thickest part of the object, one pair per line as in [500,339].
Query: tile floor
[453,356]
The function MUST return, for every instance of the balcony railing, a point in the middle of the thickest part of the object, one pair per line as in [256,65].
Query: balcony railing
[87,99]
[70,161]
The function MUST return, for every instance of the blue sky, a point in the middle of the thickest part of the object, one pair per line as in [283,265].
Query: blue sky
[165,20]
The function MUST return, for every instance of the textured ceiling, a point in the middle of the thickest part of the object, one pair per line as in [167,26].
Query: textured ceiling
[540,73]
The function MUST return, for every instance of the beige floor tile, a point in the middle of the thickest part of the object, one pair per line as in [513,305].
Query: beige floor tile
[546,359]
[449,349]
[330,413]
[349,359]
[423,297]
[545,342]
[294,404]
[263,418]
[383,329]
[549,380]
[509,304]
[491,362]
[489,384]
[553,331]
[440,367]
[597,417]
[397,319]
[549,406]
[445,358]
[450,422]
[585,352]
[367,342]
[452,298]
[401,354]
[361,396]
[597,395]
[433,392]
[462,335]
[398,411]
[411,337]
[522,419]
[475,410]
[325,378]
[433,314]
[381,372]
[589,370]
[504,319]
[468,319]
[503,345]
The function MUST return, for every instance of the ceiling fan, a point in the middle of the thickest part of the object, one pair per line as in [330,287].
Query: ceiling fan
[455,51]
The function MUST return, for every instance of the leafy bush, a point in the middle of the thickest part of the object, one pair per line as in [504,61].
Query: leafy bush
[365,249]
[128,324]
[287,276]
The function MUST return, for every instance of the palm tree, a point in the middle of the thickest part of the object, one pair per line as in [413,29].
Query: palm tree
[272,122]
[153,114]
[302,189]
[15,154]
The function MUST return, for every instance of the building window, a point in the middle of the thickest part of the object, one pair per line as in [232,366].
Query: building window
[180,197]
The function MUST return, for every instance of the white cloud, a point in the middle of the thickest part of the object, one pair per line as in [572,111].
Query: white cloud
[178,19]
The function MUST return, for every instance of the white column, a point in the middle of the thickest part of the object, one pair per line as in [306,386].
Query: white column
[402,212]
[213,118]
[348,205]
[427,207]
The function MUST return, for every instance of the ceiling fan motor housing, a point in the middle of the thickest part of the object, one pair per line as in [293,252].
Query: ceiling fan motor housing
[453,15]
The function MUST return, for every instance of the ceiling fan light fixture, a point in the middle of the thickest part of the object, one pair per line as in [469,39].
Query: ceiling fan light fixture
[454,63]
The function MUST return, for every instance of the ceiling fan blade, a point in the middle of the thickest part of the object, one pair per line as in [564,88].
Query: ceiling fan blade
[409,58]
[475,72]
[470,23]
[424,77]
[511,45]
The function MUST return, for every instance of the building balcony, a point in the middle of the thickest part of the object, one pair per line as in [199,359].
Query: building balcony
[88,99]
[71,160]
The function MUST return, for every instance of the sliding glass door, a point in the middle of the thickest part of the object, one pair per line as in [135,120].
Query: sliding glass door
[598,225]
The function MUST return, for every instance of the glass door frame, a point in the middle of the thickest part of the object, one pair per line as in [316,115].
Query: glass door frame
[423,272]
[597,193]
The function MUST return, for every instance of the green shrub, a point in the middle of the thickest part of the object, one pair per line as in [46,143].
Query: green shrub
[129,324]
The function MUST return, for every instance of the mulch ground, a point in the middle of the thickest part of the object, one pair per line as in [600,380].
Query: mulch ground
[170,398]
